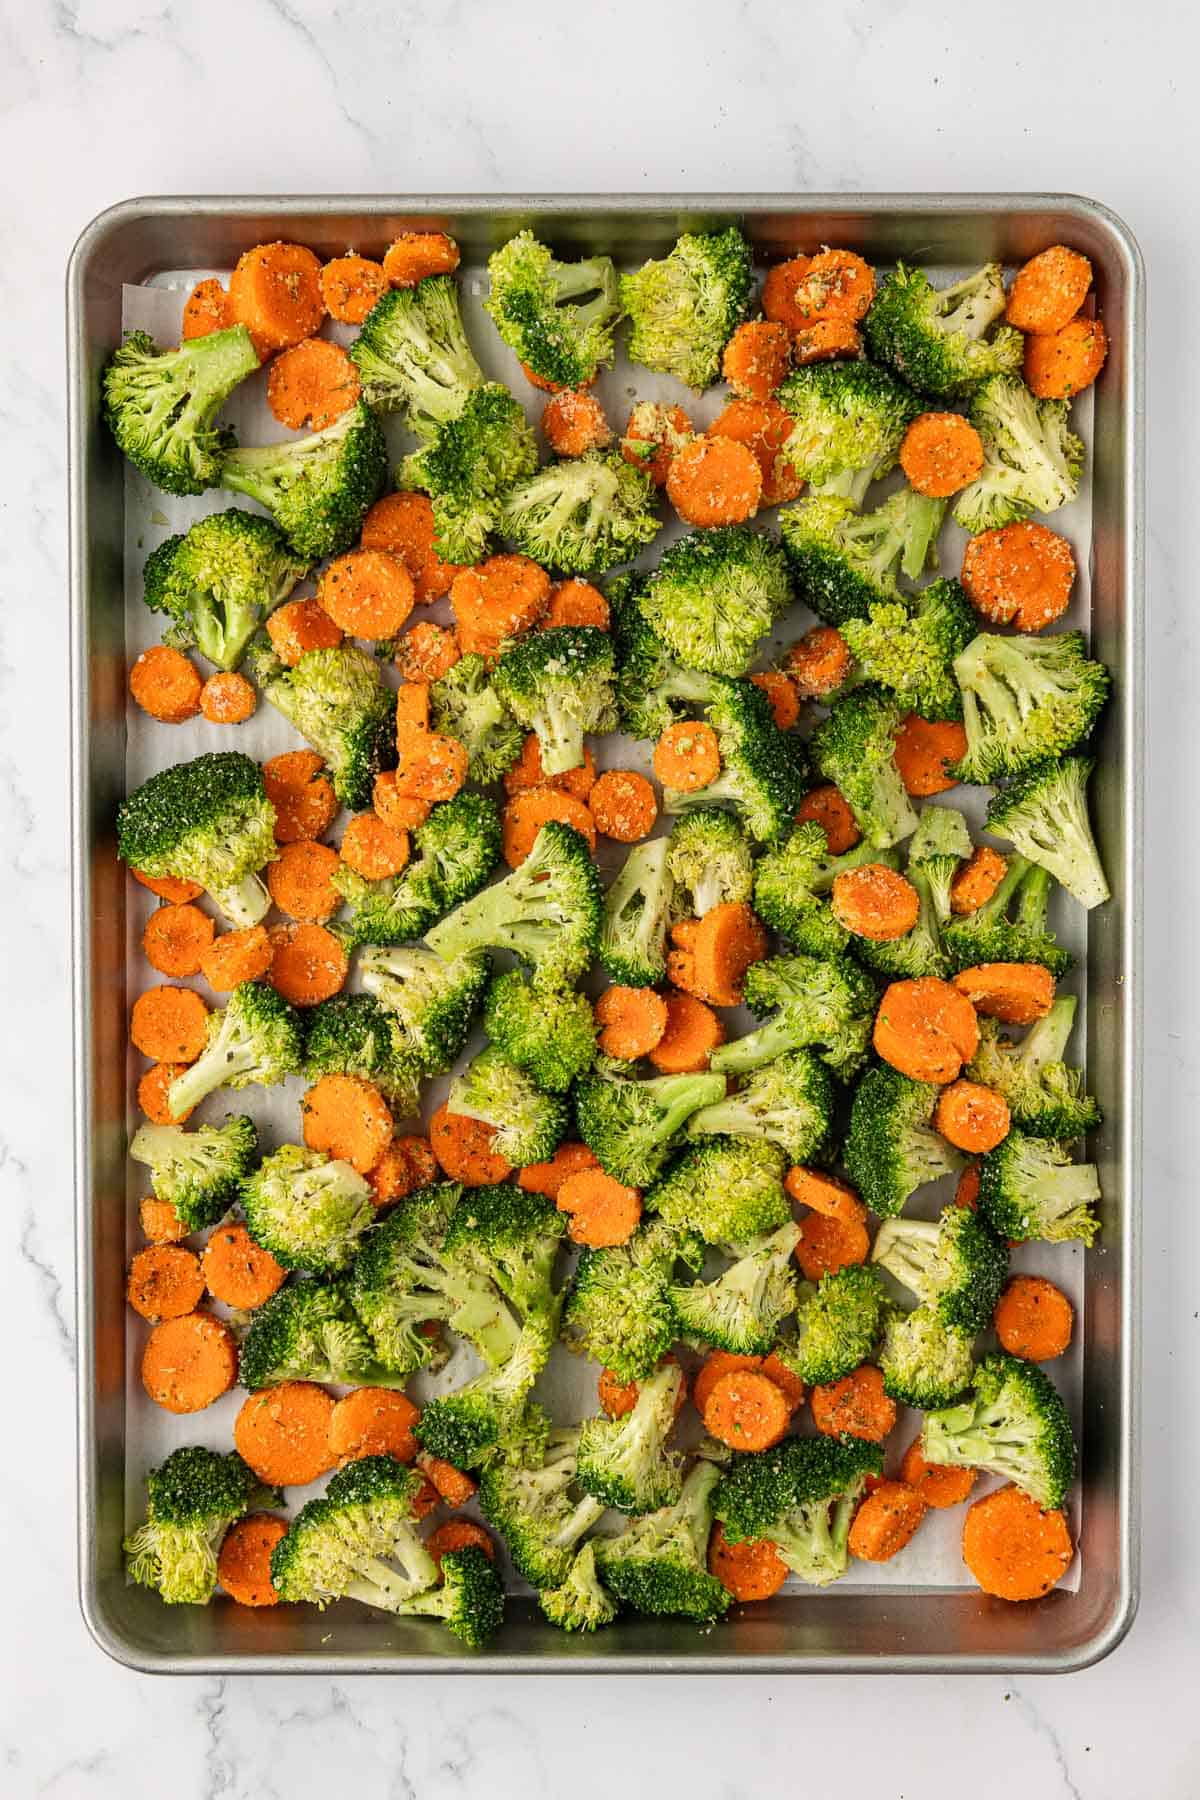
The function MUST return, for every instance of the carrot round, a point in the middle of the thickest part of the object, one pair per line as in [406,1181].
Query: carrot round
[573,423]
[825,1194]
[275,291]
[781,695]
[499,599]
[426,652]
[751,1570]
[727,940]
[227,698]
[785,1379]
[762,427]
[403,812]
[403,524]
[168,887]
[1015,993]
[153,1092]
[837,284]
[400,1171]
[715,481]
[1020,574]
[693,1031]
[158,1219]
[189,1362]
[350,286]
[779,292]
[372,849]
[826,1244]
[941,452]
[237,1271]
[236,956]
[977,880]
[464,1149]
[547,1177]
[653,437]
[972,1117]
[616,1397]
[372,1421]
[855,1406]
[1048,290]
[826,340]
[1066,362]
[412,714]
[819,662]
[349,1118]
[687,757]
[311,385]
[1034,1319]
[939,1486]
[623,805]
[299,626]
[527,772]
[166,685]
[756,358]
[426,1500]
[164,1282]
[418,254]
[602,1211]
[300,882]
[526,813]
[631,1020]
[367,593]
[715,1365]
[875,902]
[746,1410]
[449,1483]
[244,1561]
[302,795]
[169,1024]
[175,938]
[206,310]
[577,602]
[1013,1549]
[966,1191]
[927,1029]
[431,767]
[308,964]
[923,750]
[459,1534]
[886,1520]
[827,807]
[283,1433]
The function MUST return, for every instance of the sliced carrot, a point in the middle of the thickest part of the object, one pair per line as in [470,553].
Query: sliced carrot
[153,1094]
[1048,290]
[426,1500]
[715,1365]
[779,292]
[827,807]
[237,1271]
[687,757]
[875,902]
[311,385]
[403,524]
[402,812]
[886,1521]
[752,1570]
[189,1362]
[785,1379]
[418,254]
[547,1177]
[175,939]
[157,1218]
[757,357]
[573,423]
[350,286]
[939,1486]
[837,284]
[577,602]
[653,437]
[941,453]
[782,697]
[826,340]
[1020,574]
[367,593]
[300,881]
[527,772]
[526,813]
[617,1398]
[632,1021]
[855,1406]
[393,1175]
[464,1149]
[412,711]
[498,600]
[977,880]
[169,1024]
[727,940]
[168,888]
[308,964]
[820,662]
[826,1194]
[715,481]
[1066,362]
[349,1118]
[275,291]
[431,767]
[372,849]
[966,1192]
[1013,1549]
[972,1117]
[602,1211]
[206,310]
[923,750]
[283,1433]
[244,1562]
[426,652]
[459,1534]
[302,795]
[236,956]
[623,805]
[826,1245]
[693,1031]
[166,685]
[299,626]
[164,1282]
[763,427]
[1015,993]
[371,1421]
[449,1483]
[927,1029]
[1034,1319]
[227,698]
[746,1410]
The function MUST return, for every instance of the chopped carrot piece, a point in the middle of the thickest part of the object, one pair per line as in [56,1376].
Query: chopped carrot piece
[300,881]
[577,602]
[727,940]
[827,1244]
[1020,574]
[875,902]
[653,437]
[175,939]
[623,805]
[302,795]
[779,292]
[886,1521]
[158,1219]
[412,712]
[756,358]
[283,1433]
[837,284]
[403,524]
[426,652]
[308,964]
[236,956]
[459,1534]
[407,1164]
[825,1194]
[164,1282]
[573,423]
[431,767]
[1048,290]
[244,1562]
[826,340]
[716,1364]
[367,593]
[311,385]
[189,1362]
[972,1117]
[450,1483]
[927,1029]
[168,888]
[275,291]
[527,772]
[632,1021]
[547,1177]
[1034,1319]
[782,697]
[1013,1549]
[941,453]
[924,749]
[169,1024]
[1015,993]
[617,1398]
[497,600]
[820,662]
[1063,364]
[371,1421]
[746,1410]
[349,1118]
[966,1192]
[751,1570]
[166,685]
[529,810]
[237,1271]
[403,812]
[602,1211]
[464,1149]
[687,757]
[418,254]
[938,1486]
[827,807]
[153,1091]
[426,1500]
[763,427]
[855,1406]
[977,880]
[350,286]
[227,699]
[785,1379]
[206,310]
[693,1031]
[372,849]
[299,626]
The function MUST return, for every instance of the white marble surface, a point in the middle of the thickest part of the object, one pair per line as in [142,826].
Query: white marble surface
[100,99]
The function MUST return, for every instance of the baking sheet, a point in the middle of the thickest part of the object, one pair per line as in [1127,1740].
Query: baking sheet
[932,1562]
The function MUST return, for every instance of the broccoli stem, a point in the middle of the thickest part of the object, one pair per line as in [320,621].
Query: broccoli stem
[585,1515]
[245,903]
[379,1585]
[773,1039]
[1047,1040]
[562,745]
[904,1247]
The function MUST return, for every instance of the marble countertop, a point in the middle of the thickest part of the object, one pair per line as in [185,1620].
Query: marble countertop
[108,98]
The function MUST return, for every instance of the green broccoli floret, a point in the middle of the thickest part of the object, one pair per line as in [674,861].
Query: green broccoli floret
[255,1039]
[954,1263]
[658,1563]
[548,1032]
[714,594]
[191,1501]
[307,1209]
[826,1004]
[1025,699]
[160,405]
[711,862]
[465,705]
[547,911]
[845,563]
[455,852]
[924,1360]
[685,307]
[940,843]
[317,489]
[352,1034]
[580,1602]
[1032,458]
[632,1125]
[338,701]
[470,1601]
[413,357]
[762,768]
[198,1172]
[618,1307]
[727,1189]
[741,1310]
[850,418]
[855,749]
[1014,1425]
[789,1102]
[528,1124]
[936,338]
[486,1417]
[556,317]
[636,916]
[802,1496]
[791,883]
[308,1332]
[531,1503]
[1046,1096]
[911,652]
[208,820]
[892,1148]
[559,683]
[625,1463]
[652,688]
[837,1325]
[582,514]
[429,1004]
[219,582]
[1045,814]
[512,1237]
[469,467]
[1030,1188]
[934,852]
[1010,926]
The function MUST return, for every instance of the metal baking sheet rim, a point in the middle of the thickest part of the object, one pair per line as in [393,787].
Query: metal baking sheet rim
[861,215]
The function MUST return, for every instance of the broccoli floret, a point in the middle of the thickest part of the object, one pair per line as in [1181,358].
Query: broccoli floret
[924,1360]
[1025,699]
[548,1032]
[547,911]
[465,705]
[685,307]
[1046,1096]
[711,862]
[632,1125]
[317,489]
[358,1542]
[469,467]
[837,1325]
[405,1276]
[160,405]
[199,1172]
[556,317]
[208,820]
[850,419]
[826,1004]
[936,338]
[762,769]
[307,1209]
[792,881]
[912,652]
[845,563]
[801,1496]
[892,1148]
[531,1504]
[713,596]
[470,1601]
[220,581]
[1013,1425]
[255,1039]
[1045,814]
[308,1332]
[1030,1188]
[191,1501]
[940,843]
[413,357]
[1032,458]
[726,1189]
[352,1034]
[618,1308]
[559,683]
[657,1564]
[789,1102]
[624,1462]
[429,1004]
[580,1602]
[486,1417]
[338,701]
[512,1237]
[582,514]
[955,1264]
[855,749]
[741,1310]
[636,916]
[1008,927]
[456,851]
[527,1123]
[652,688]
